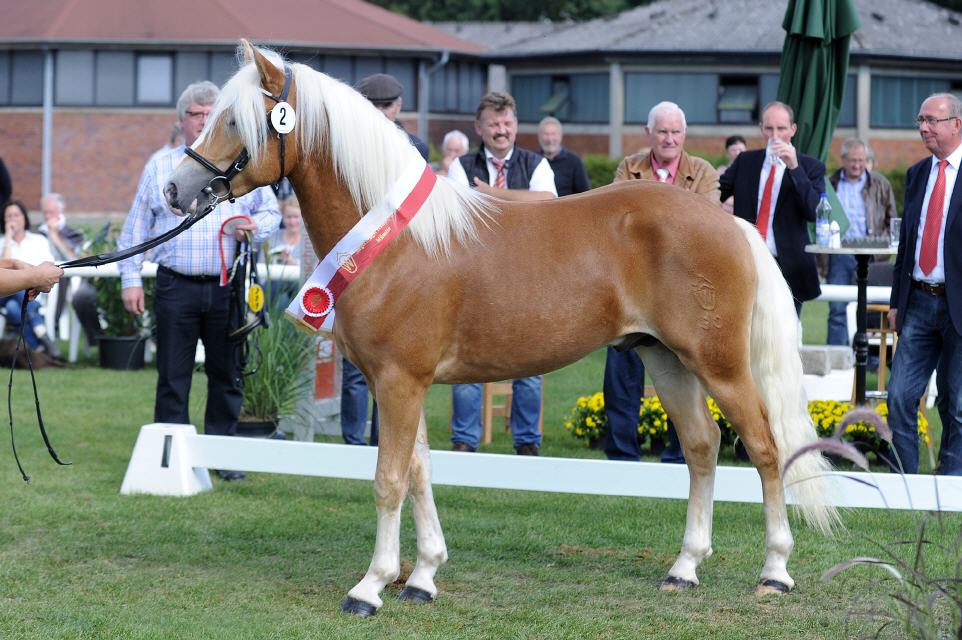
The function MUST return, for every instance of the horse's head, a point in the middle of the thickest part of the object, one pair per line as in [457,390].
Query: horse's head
[245,144]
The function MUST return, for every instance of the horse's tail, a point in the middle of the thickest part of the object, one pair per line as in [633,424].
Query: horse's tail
[777,369]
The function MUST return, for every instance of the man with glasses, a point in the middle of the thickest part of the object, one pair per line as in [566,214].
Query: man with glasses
[189,303]
[666,161]
[926,302]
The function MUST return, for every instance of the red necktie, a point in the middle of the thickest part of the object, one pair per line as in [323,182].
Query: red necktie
[499,181]
[765,210]
[929,254]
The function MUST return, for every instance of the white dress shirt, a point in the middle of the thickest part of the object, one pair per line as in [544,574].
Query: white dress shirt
[780,167]
[937,275]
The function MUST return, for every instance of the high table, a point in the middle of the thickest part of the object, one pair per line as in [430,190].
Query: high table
[863,255]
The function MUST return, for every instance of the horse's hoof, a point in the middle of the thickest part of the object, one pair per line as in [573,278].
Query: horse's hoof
[671,583]
[769,587]
[415,595]
[358,607]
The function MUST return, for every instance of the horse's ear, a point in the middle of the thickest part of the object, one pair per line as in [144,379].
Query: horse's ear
[247,50]
[272,78]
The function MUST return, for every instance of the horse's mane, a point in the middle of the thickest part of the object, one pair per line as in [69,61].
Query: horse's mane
[368,152]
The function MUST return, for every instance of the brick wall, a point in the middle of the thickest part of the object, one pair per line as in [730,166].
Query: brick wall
[97,157]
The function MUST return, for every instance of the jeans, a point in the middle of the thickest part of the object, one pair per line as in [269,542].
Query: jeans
[624,387]
[354,406]
[466,400]
[185,311]
[11,308]
[841,270]
[927,340]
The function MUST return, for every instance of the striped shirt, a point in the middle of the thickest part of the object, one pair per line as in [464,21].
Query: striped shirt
[196,251]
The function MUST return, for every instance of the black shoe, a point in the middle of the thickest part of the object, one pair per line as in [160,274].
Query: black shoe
[528,450]
[462,446]
[50,348]
[230,476]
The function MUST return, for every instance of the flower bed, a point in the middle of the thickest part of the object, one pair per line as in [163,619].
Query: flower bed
[588,421]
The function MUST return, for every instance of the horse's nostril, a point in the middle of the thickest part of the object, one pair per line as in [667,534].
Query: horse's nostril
[170,191]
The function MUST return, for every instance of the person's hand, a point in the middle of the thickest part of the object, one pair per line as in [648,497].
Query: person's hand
[484,187]
[44,276]
[240,228]
[892,318]
[133,298]
[786,152]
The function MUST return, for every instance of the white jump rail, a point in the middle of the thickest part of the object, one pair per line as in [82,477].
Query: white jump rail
[170,459]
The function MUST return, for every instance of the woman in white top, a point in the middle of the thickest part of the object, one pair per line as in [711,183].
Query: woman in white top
[19,243]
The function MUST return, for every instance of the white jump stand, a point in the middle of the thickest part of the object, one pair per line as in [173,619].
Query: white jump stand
[161,463]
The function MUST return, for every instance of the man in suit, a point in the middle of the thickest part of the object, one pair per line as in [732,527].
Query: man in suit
[926,302]
[666,161]
[777,189]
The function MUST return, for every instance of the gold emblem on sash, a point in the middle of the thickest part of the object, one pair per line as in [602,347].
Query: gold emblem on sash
[346,262]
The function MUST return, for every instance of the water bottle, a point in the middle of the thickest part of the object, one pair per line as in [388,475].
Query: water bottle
[823,223]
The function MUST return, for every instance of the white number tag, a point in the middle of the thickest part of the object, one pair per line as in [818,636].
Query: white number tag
[283,117]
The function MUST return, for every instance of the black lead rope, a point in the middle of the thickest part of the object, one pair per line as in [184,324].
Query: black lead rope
[36,397]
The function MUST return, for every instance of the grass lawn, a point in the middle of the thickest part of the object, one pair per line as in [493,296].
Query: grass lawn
[273,556]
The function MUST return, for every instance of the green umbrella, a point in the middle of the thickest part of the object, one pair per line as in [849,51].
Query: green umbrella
[813,73]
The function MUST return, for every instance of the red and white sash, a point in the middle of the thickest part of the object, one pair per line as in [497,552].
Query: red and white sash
[313,308]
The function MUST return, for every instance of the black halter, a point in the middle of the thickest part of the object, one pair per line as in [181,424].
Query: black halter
[219,188]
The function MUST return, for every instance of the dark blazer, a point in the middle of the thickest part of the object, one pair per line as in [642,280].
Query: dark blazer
[794,209]
[915,182]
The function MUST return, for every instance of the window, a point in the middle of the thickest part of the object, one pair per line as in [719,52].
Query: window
[738,100]
[74,78]
[114,78]
[190,67]
[155,79]
[896,100]
[768,90]
[222,67]
[339,67]
[4,77]
[457,87]
[695,93]
[26,78]
[576,97]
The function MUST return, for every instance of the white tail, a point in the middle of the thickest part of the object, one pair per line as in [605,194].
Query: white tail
[777,369]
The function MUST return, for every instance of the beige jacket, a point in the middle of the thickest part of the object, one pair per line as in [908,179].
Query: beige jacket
[694,173]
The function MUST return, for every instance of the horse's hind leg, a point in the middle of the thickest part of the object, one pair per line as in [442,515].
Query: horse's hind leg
[739,400]
[684,399]
[432,552]
[399,413]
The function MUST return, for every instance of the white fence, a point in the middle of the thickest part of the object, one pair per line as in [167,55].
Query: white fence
[173,459]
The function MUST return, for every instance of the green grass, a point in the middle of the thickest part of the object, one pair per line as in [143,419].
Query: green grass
[272,557]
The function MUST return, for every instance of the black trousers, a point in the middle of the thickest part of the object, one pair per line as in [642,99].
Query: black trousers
[186,310]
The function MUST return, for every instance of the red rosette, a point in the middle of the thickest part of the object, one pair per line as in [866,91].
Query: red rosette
[317,302]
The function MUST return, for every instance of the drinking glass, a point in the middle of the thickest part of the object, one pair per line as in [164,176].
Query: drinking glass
[895,227]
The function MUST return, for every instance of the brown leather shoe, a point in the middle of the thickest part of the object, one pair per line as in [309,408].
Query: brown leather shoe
[528,450]
[462,446]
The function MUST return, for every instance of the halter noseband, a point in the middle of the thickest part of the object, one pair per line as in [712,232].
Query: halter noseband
[219,188]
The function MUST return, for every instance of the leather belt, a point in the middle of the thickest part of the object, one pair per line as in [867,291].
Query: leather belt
[177,274]
[927,287]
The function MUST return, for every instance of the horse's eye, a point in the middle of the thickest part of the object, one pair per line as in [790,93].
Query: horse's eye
[231,124]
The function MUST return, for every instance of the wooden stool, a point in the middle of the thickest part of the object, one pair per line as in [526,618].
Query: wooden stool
[491,407]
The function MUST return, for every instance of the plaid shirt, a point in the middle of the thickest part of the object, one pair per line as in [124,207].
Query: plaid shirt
[195,251]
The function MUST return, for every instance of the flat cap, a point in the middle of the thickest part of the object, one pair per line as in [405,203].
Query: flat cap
[380,87]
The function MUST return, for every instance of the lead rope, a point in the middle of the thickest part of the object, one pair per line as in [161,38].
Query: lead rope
[36,396]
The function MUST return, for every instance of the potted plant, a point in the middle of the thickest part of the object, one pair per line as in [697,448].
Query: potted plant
[122,342]
[277,376]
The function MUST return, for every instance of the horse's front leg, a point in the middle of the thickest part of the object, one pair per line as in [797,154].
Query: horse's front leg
[432,552]
[399,411]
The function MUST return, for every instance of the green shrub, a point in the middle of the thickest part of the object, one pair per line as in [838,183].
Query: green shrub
[601,169]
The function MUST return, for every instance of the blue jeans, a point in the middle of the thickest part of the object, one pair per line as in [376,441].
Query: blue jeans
[926,339]
[841,270]
[624,387]
[11,308]
[525,408]
[354,406]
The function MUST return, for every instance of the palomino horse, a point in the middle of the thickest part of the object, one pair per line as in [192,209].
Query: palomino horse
[477,289]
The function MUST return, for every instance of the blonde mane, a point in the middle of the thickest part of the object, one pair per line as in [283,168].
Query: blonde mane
[368,151]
